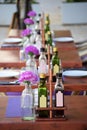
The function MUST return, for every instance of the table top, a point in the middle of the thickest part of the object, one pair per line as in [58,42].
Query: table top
[11,58]
[76,114]
[67,51]
[70,59]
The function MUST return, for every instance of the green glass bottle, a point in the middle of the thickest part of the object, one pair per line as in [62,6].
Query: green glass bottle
[49,38]
[49,42]
[48,18]
[55,61]
[46,29]
[42,96]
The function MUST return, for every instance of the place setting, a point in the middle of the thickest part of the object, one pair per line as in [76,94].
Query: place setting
[9,77]
[11,43]
[63,39]
[75,73]
[12,40]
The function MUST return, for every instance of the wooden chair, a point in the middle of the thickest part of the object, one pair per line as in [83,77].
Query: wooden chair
[15,21]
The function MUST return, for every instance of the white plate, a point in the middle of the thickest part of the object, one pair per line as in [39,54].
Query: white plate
[75,73]
[63,39]
[12,40]
[8,73]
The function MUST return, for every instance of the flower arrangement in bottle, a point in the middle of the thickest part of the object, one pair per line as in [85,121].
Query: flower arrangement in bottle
[28,77]
[31,51]
[27,96]
[31,14]
[28,22]
[26,34]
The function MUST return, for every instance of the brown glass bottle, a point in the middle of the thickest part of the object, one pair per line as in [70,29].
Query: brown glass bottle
[59,96]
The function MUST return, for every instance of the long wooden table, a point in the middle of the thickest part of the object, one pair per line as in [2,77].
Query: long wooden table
[76,114]
[67,51]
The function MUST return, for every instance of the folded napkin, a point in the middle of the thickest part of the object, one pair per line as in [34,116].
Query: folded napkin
[9,83]
[10,45]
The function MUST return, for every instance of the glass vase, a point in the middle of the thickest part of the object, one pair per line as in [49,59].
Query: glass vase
[31,64]
[27,103]
[26,42]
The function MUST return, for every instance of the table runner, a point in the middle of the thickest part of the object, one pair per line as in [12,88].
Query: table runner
[13,107]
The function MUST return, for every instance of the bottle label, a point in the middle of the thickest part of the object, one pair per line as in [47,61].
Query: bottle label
[55,69]
[42,101]
[46,36]
[43,67]
[59,99]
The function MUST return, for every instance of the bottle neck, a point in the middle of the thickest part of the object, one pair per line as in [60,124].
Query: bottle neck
[42,82]
[59,84]
[55,53]
[42,53]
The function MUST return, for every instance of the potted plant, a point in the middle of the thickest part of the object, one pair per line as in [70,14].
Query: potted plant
[74,12]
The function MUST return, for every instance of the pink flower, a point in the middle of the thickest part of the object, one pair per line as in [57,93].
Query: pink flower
[31,14]
[28,77]
[28,21]
[31,50]
[26,32]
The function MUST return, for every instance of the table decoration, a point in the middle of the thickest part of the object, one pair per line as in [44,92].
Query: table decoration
[26,33]
[28,22]
[27,98]
[32,14]
[13,108]
[31,51]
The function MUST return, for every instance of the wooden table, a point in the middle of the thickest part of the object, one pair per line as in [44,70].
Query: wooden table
[67,51]
[76,114]
[70,84]
[10,58]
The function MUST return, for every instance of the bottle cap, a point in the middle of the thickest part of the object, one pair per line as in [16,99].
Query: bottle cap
[37,21]
[55,49]
[38,32]
[42,75]
[39,15]
[42,49]
[47,15]
[57,75]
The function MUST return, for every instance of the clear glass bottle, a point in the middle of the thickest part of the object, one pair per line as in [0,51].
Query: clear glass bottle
[38,40]
[42,61]
[59,96]
[31,64]
[27,103]
[37,27]
[42,96]
[55,61]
